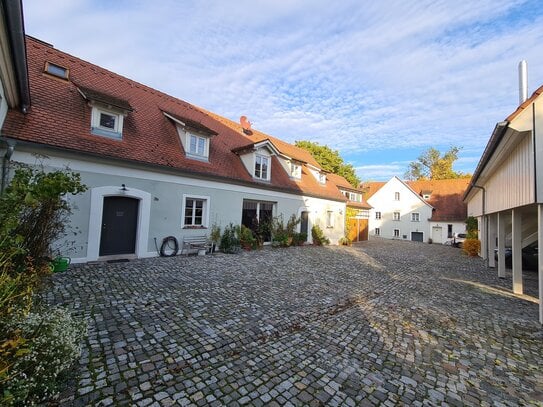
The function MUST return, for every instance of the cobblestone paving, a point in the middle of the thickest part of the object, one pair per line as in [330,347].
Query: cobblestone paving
[381,323]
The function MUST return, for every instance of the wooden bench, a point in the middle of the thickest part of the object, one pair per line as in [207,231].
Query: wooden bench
[195,243]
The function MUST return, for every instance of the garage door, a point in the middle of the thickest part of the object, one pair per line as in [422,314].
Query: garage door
[417,236]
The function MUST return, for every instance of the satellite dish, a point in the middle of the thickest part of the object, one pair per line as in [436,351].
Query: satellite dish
[245,124]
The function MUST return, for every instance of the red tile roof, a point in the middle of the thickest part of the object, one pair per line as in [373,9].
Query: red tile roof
[60,118]
[446,196]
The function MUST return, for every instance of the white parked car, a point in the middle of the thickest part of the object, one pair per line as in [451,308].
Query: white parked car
[458,239]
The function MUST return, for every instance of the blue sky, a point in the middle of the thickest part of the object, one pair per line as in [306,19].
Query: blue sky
[379,81]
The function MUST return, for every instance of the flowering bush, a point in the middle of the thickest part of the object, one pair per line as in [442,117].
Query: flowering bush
[50,344]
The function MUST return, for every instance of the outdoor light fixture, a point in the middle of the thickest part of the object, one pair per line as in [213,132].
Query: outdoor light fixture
[124,188]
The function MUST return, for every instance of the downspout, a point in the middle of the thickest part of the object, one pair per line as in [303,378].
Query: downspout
[5,160]
[485,254]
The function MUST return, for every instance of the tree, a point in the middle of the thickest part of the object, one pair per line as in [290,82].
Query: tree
[433,165]
[330,160]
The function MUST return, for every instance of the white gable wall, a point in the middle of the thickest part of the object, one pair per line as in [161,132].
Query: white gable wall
[384,201]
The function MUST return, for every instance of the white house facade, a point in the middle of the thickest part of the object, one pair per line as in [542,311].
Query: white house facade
[156,166]
[399,213]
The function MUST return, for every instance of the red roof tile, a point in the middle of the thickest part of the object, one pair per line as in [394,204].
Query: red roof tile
[60,117]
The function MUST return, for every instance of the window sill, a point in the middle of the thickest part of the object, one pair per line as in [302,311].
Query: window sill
[197,157]
[105,133]
[194,227]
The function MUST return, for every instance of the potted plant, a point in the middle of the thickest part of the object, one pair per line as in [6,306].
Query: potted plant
[215,237]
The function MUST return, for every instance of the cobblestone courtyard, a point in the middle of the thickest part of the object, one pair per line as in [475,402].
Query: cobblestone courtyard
[384,322]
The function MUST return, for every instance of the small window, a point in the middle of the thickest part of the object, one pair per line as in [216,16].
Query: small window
[426,196]
[377,215]
[396,232]
[329,219]
[105,122]
[396,196]
[322,178]
[396,216]
[262,165]
[377,232]
[415,217]
[197,145]
[57,70]
[296,171]
[195,212]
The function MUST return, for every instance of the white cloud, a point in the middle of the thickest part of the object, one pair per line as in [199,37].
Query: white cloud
[396,74]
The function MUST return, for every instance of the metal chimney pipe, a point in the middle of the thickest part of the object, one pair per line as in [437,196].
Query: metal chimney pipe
[522,81]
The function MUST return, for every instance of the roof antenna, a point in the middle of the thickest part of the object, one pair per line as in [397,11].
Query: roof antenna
[522,81]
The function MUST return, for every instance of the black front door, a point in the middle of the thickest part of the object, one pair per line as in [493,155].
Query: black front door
[304,224]
[119,225]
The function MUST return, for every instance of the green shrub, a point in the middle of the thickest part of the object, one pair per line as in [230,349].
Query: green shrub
[246,238]
[51,343]
[318,236]
[33,213]
[345,241]
[299,239]
[229,240]
[34,347]
[283,235]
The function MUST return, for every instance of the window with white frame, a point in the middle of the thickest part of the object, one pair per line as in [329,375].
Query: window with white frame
[396,216]
[396,196]
[197,145]
[295,170]
[322,178]
[396,232]
[377,231]
[106,122]
[262,167]
[329,219]
[195,211]
[415,217]
[377,215]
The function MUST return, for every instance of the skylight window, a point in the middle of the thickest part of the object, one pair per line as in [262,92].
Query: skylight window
[57,70]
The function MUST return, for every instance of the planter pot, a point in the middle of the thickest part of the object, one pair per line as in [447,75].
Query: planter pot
[61,264]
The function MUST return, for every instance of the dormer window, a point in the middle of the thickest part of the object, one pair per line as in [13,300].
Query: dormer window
[262,165]
[295,170]
[107,114]
[197,145]
[106,122]
[194,136]
[322,178]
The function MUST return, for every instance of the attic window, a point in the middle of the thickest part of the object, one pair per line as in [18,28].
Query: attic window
[296,171]
[426,196]
[322,178]
[106,122]
[57,70]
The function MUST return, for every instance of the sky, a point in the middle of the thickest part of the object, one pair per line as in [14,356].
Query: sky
[379,81]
